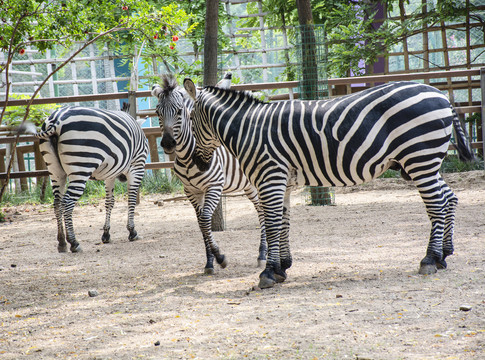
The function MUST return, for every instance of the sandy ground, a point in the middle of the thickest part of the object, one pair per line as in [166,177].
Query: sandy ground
[353,291]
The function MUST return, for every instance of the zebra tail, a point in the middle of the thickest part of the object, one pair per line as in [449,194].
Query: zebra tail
[463,145]
[27,128]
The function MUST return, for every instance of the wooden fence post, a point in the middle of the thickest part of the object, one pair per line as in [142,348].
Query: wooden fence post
[482,87]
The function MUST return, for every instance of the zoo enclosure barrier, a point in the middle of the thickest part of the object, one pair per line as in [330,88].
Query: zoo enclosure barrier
[337,87]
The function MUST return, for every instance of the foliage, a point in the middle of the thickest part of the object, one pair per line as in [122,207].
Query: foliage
[353,31]
[452,164]
[38,113]
[152,183]
[68,24]
[157,182]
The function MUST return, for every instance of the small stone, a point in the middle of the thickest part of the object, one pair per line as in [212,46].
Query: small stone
[157,343]
[339,296]
[160,203]
[93,293]
[465,308]
[13,265]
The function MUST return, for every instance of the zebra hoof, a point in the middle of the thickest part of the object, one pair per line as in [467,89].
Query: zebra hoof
[137,237]
[106,239]
[223,261]
[261,263]
[441,264]
[265,282]
[76,249]
[62,248]
[427,269]
[280,277]
[209,271]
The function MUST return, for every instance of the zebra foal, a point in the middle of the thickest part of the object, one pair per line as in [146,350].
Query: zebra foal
[339,142]
[203,189]
[81,143]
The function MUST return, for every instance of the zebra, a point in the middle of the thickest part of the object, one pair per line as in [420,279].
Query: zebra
[203,189]
[82,143]
[335,142]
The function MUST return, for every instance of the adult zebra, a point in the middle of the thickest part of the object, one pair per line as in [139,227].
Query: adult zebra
[338,142]
[79,143]
[203,189]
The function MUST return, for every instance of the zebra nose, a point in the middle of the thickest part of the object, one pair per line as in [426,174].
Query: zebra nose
[167,143]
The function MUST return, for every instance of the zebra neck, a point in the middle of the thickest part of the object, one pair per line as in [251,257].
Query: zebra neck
[185,144]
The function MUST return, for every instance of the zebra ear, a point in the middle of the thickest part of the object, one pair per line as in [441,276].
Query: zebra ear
[190,88]
[156,90]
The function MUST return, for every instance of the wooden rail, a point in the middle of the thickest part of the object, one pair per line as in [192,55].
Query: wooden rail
[154,132]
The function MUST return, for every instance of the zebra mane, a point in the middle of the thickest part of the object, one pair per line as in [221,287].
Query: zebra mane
[169,83]
[241,94]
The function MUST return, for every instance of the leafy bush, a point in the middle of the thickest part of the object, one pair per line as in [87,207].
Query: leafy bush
[37,114]
[152,183]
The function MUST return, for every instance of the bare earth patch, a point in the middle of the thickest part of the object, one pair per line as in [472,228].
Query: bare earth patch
[353,291]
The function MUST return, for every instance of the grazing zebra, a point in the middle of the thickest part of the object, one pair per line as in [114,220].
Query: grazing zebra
[203,189]
[79,143]
[338,142]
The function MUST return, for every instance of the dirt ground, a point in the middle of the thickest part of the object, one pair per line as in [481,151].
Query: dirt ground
[353,291]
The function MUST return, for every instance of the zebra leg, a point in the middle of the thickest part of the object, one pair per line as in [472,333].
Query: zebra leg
[204,207]
[252,195]
[196,202]
[74,191]
[273,212]
[58,179]
[110,200]
[134,180]
[452,201]
[285,254]
[436,206]
[58,184]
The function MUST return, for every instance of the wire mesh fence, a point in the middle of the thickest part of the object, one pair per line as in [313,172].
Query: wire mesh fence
[311,60]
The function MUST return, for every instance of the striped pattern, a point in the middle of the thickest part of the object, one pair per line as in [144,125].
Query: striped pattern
[339,142]
[203,189]
[80,143]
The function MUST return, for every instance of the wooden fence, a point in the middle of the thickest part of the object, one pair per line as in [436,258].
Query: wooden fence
[341,86]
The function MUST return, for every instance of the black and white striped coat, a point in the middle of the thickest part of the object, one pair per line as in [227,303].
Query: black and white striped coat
[81,143]
[203,189]
[338,142]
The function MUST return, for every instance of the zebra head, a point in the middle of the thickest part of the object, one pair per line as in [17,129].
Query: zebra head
[206,141]
[173,106]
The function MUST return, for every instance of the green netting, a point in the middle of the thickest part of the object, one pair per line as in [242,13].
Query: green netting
[311,69]
[311,59]
[319,196]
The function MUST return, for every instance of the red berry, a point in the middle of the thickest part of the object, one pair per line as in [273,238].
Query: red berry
[171,47]
[124,7]
[155,36]
[175,38]
[22,51]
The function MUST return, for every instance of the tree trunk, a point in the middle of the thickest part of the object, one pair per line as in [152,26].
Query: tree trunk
[210,77]
[309,77]
[309,83]
[210,42]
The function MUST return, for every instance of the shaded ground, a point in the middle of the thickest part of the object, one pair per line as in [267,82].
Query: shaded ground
[353,291]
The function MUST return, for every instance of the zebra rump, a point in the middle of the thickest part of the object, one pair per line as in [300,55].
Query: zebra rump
[81,143]
[338,142]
